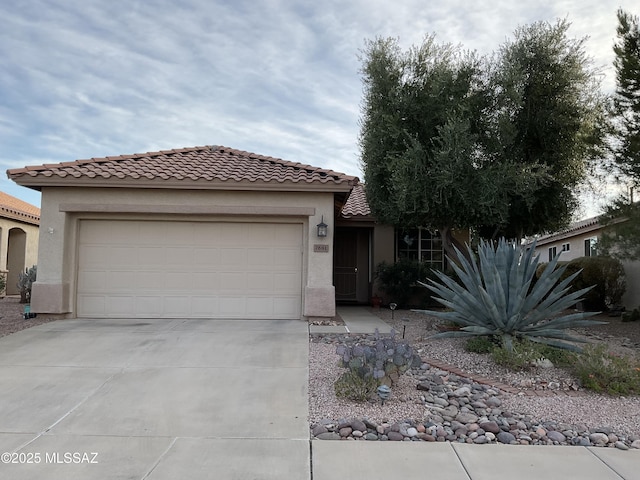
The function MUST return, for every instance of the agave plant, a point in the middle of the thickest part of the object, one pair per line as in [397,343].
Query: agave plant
[497,296]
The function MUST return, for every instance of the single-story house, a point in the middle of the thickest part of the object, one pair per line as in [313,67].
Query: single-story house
[580,239]
[19,223]
[208,232]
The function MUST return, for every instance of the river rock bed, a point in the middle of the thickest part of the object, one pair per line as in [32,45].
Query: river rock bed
[458,409]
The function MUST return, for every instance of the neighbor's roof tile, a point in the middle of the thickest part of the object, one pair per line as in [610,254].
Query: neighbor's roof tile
[14,208]
[209,163]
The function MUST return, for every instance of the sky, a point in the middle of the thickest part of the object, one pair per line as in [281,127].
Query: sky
[94,78]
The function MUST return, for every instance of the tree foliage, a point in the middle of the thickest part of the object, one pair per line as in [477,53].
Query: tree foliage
[622,217]
[626,104]
[547,111]
[424,160]
[450,140]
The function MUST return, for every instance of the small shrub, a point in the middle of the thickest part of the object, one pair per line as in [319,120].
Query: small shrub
[632,316]
[520,357]
[352,385]
[480,345]
[3,283]
[607,274]
[25,282]
[604,274]
[384,360]
[601,371]
[558,356]
[400,280]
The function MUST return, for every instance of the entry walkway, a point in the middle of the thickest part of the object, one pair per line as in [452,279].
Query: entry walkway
[377,460]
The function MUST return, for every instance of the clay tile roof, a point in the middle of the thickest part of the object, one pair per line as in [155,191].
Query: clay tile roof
[16,209]
[356,204]
[214,164]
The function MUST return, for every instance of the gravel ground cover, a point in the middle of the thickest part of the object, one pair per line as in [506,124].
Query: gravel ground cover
[12,317]
[564,407]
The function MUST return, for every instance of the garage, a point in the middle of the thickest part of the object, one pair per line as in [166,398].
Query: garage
[189,269]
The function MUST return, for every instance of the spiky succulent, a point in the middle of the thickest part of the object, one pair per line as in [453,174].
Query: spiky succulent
[498,296]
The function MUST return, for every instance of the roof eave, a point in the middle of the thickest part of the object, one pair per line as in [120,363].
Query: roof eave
[38,183]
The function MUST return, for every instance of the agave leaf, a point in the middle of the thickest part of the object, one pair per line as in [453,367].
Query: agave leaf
[554,333]
[557,343]
[454,333]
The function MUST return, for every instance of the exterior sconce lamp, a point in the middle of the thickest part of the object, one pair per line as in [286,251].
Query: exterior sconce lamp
[322,228]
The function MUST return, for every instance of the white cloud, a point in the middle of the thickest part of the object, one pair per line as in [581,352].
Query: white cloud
[88,78]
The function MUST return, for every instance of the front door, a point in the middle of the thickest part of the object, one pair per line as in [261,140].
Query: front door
[351,264]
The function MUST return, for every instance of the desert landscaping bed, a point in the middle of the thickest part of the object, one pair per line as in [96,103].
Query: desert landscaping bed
[479,402]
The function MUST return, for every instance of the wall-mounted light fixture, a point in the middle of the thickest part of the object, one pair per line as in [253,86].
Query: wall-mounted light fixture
[322,228]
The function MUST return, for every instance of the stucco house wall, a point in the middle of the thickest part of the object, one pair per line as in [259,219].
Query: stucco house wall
[19,224]
[575,236]
[63,208]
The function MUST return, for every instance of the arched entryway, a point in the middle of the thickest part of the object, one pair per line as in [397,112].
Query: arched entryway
[16,251]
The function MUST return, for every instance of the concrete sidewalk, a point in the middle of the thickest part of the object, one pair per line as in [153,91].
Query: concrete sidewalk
[454,461]
[357,319]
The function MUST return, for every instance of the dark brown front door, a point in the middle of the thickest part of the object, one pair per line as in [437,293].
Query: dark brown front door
[346,264]
[351,264]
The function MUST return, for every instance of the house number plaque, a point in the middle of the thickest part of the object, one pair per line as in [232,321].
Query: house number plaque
[321,248]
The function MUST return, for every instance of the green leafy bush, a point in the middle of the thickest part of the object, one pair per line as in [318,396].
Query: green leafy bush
[25,281]
[606,276]
[495,295]
[602,371]
[480,345]
[521,357]
[632,316]
[400,280]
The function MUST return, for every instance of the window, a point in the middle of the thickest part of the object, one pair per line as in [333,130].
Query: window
[590,247]
[420,244]
[552,253]
[566,247]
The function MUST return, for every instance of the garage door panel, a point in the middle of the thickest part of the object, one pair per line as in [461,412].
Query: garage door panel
[197,269]
[150,256]
[207,257]
[123,281]
[92,281]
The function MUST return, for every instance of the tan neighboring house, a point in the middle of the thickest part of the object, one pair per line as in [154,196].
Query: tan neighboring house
[19,223]
[580,239]
[207,232]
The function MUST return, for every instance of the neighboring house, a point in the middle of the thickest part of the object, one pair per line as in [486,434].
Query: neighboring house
[207,232]
[19,222]
[580,239]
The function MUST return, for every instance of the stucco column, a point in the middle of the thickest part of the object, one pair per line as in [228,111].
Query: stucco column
[50,293]
[320,294]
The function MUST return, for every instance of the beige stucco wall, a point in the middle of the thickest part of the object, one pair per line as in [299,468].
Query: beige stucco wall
[30,250]
[54,292]
[576,247]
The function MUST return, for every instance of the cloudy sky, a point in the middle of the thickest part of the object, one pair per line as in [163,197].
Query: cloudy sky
[91,78]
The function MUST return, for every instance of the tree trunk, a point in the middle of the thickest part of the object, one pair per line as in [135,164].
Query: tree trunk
[450,243]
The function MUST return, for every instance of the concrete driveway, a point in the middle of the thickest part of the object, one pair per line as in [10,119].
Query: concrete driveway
[155,399]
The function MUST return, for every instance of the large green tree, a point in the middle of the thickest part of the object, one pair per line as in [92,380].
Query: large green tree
[626,101]
[621,238]
[449,140]
[425,163]
[548,110]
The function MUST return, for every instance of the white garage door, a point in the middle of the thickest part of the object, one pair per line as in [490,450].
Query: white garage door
[163,269]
